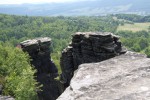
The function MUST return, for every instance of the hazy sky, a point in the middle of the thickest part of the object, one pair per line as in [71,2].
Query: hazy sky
[34,1]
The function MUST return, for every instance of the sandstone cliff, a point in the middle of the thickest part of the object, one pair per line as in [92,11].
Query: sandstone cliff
[97,65]
[103,69]
[124,77]
[88,47]
[39,51]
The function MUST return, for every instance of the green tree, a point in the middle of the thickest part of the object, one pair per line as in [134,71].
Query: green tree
[18,74]
[147,51]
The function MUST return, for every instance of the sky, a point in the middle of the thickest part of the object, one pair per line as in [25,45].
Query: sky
[34,1]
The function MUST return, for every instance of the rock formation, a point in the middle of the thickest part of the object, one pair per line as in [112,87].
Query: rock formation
[124,77]
[39,51]
[88,47]
[6,98]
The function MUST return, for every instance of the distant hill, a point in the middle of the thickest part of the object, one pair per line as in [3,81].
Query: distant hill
[84,8]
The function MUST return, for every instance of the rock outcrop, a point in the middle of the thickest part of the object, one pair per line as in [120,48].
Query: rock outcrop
[124,77]
[88,47]
[39,51]
[6,98]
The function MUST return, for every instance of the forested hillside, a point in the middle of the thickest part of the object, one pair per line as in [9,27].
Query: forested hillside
[79,8]
[14,29]
[135,32]
[133,17]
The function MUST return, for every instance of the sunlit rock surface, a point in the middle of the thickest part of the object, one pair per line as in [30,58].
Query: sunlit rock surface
[124,77]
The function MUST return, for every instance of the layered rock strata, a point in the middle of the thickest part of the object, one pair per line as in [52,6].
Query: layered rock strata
[88,47]
[39,51]
[124,77]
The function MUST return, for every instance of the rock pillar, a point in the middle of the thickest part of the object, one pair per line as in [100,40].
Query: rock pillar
[39,51]
[88,47]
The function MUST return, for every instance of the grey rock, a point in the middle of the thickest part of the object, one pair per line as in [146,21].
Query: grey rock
[88,47]
[6,98]
[39,51]
[124,77]
[35,41]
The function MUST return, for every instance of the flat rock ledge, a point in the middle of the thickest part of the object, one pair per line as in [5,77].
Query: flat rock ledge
[124,77]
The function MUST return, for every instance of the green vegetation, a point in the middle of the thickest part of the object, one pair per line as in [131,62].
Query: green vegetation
[136,41]
[133,17]
[18,28]
[135,32]
[16,74]
[135,27]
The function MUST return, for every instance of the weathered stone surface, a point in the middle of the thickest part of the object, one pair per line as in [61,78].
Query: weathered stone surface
[124,77]
[39,51]
[6,98]
[88,47]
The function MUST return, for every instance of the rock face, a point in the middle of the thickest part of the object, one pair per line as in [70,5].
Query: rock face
[124,77]
[39,51]
[88,47]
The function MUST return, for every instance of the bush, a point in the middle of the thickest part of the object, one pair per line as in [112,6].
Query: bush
[19,76]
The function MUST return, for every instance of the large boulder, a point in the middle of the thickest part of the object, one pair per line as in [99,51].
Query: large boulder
[88,47]
[124,77]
